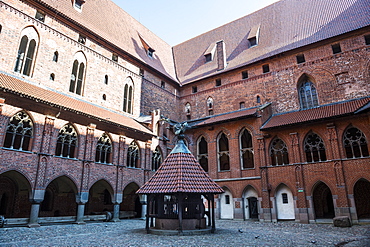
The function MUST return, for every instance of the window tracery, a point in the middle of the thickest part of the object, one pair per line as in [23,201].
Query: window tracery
[279,152]
[66,142]
[103,149]
[19,132]
[314,148]
[355,143]
[133,155]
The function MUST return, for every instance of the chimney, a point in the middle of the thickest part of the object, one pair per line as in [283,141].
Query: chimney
[221,55]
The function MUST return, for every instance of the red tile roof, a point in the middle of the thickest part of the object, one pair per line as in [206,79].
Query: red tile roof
[314,114]
[240,114]
[283,26]
[109,21]
[17,86]
[180,173]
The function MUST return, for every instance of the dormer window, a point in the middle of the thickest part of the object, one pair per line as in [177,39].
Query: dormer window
[82,39]
[115,57]
[150,52]
[78,4]
[209,53]
[149,49]
[40,16]
[253,36]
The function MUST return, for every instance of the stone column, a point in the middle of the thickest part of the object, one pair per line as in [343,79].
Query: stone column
[143,201]
[117,201]
[37,198]
[81,199]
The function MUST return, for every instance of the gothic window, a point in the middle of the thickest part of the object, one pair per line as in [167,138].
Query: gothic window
[78,74]
[19,132]
[246,150]
[26,51]
[66,142]
[308,94]
[203,153]
[133,155]
[128,95]
[103,149]
[223,153]
[210,106]
[314,148]
[156,159]
[279,152]
[355,143]
[188,111]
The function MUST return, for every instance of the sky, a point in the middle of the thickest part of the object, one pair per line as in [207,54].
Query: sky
[176,21]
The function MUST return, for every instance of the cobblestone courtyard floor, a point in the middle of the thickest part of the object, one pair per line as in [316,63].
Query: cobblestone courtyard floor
[228,233]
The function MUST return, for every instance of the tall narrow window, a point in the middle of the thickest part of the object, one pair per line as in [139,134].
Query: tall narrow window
[103,149]
[284,197]
[279,152]
[133,155]
[106,79]
[355,143]
[78,74]
[156,159]
[19,132]
[203,153]
[210,106]
[307,94]
[188,111]
[246,150]
[26,51]
[66,142]
[223,152]
[314,148]
[55,56]
[128,92]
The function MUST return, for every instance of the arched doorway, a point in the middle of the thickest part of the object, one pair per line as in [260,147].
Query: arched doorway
[226,205]
[14,195]
[100,198]
[131,201]
[250,203]
[60,198]
[323,202]
[362,201]
[284,203]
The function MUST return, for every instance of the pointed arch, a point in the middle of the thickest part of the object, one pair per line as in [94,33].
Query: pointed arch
[355,143]
[307,92]
[246,149]
[27,51]
[128,95]
[67,142]
[104,149]
[223,152]
[133,155]
[157,157]
[78,73]
[19,132]
[202,152]
[278,152]
[314,148]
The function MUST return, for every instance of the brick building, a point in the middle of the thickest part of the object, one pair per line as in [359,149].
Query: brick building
[278,102]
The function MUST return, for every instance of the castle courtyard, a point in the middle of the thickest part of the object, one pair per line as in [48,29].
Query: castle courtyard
[228,233]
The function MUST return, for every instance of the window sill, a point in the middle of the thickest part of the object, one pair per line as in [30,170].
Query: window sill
[18,150]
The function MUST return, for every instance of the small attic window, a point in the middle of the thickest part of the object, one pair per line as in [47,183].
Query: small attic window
[114,57]
[40,16]
[150,52]
[209,53]
[300,58]
[78,4]
[336,48]
[253,36]
[82,39]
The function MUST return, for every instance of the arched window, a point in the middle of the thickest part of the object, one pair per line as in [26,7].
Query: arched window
[246,150]
[156,159]
[128,95]
[203,153]
[210,105]
[355,143]
[19,132]
[103,149]
[66,142]
[307,94]
[26,51]
[279,152]
[133,155]
[314,148]
[188,111]
[106,79]
[77,77]
[223,153]
[55,56]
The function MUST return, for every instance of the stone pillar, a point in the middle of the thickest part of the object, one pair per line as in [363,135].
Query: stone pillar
[117,201]
[37,198]
[143,201]
[81,199]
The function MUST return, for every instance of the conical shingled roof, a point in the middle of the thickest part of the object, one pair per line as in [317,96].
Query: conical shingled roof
[180,173]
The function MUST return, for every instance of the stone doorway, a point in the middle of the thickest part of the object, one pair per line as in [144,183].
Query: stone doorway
[323,202]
